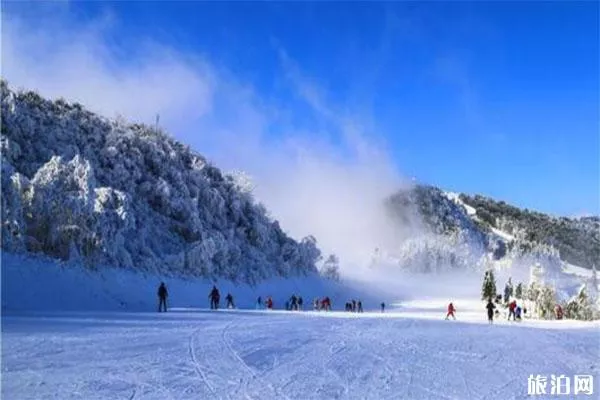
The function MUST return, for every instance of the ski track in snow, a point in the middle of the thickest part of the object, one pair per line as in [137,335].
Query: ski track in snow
[261,355]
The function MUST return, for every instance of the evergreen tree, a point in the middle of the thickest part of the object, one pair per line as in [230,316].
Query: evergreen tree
[592,286]
[488,290]
[519,291]
[545,302]
[508,290]
[580,307]
[532,292]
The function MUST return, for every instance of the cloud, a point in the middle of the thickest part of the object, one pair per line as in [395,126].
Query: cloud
[329,183]
[79,64]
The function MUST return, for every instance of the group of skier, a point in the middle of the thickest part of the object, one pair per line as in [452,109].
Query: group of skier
[215,298]
[514,311]
[354,306]
[323,304]
[295,303]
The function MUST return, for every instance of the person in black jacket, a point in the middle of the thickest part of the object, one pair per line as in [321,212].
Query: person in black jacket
[162,297]
[229,299]
[490,311]
[214,297]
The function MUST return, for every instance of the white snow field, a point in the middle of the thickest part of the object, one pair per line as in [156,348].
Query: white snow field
[408,352]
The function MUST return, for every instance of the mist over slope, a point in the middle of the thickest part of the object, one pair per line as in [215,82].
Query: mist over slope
[80,187]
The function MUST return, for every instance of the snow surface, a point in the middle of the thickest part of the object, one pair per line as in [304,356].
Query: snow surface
[201,354]
[577,271]
[41,284]
[63,336]
[456,198]
[504,235]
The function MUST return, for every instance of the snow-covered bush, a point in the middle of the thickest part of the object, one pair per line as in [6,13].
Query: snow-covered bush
[79,186]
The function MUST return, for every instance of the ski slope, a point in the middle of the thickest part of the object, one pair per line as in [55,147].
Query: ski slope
[203,354]
[71,333]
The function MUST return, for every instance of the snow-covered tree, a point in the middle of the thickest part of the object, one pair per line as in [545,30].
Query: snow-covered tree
[592,286]
[488,290]
[532,291]
[508,290]
[79,186]
[331,268]
[546,302]
[436,253]
[519,291]
[580,307]
[536,274]
[243,181]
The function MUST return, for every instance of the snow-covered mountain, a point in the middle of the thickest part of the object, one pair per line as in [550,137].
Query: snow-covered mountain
[472,232]
[576,239]
[77,186]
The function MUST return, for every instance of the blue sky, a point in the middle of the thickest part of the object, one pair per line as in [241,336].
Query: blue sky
[500,99]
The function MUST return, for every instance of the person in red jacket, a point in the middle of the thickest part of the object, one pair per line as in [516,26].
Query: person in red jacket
[451,311]
[511,310]
[269,303]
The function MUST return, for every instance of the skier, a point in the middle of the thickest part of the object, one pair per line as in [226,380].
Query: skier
[382,307]
[258,303]
[518,314]
[229,299]
[162,297]
[511,310]
[490,310]
[326,304]
[558,311]
[316,304]
[360,309]
[294,302]
[269,303]
[451,311]
[300,303]
[214,297]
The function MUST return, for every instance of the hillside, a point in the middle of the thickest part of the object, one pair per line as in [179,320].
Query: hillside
[483,226]
[577,239]
[79,187]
